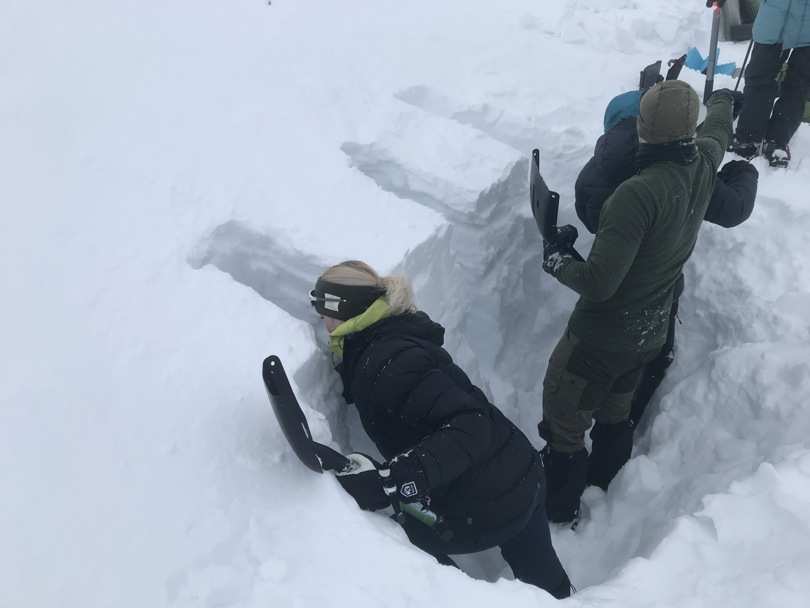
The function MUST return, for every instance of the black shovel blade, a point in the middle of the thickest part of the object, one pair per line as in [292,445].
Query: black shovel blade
[545,203]
[649,76]
[293,423]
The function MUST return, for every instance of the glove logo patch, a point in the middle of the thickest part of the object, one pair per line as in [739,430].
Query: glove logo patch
[408,489]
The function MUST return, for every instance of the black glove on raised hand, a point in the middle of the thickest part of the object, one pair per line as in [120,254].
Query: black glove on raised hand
[737,99]
[566,236]
[365,482]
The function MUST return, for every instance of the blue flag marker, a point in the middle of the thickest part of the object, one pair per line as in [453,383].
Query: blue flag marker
[695,61]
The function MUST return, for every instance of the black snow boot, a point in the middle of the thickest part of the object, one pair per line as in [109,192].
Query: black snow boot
[778,155]
[566,476]
[564,590]
[611,449]
[745,147]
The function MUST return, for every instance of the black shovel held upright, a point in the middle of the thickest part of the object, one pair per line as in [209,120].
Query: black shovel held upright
[545,205]
[709,88]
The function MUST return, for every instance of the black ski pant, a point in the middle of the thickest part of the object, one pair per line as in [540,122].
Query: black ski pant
[761,118]
[655,370]
[583,383]
[525,545]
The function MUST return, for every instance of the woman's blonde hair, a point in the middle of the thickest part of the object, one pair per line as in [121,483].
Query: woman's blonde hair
[398,290]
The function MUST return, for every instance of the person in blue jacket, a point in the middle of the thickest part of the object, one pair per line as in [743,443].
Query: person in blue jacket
[614,161]
[781,34]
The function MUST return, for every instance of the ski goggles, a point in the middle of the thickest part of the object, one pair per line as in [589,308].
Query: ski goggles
[343,302]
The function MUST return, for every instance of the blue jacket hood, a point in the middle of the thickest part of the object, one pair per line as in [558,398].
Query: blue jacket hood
[621,107]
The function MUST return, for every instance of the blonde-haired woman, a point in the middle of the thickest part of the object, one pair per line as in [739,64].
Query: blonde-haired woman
[445,446]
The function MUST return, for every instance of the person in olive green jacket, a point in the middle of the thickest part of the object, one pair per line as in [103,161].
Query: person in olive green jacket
[647,231]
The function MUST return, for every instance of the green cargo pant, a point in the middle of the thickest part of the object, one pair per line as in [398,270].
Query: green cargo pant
[583,383]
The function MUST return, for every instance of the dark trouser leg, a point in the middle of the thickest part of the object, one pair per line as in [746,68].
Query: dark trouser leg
[654,374]
[567,414]
[760,91]
[793,94]
[427,540]
[655,371]
[531,555]
[581,382]
[612,435]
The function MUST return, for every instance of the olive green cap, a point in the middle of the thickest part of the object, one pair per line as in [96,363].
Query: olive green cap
[668,112]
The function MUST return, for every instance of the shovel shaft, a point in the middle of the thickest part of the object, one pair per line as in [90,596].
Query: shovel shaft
[709,88]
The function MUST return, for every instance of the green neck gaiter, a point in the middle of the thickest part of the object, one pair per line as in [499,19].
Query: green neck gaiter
[375,312]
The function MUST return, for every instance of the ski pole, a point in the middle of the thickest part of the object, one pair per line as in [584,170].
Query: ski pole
[707,91]
[745,61]
[418,511]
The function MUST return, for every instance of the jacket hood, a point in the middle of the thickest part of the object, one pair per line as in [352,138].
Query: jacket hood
[621,107]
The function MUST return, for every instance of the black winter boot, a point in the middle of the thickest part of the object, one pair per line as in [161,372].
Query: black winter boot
[611,449]
[566,475]
[746,148]
[565,589]
[778,155]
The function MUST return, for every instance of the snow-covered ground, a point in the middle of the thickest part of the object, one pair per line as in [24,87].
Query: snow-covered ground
[173,178]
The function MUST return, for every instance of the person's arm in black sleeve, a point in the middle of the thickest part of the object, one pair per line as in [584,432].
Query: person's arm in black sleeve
[735,191]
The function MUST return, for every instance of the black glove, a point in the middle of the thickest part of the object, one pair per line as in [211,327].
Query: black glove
[710,3]
[408,481]
[735,167]
[554,258]
[737,99]
[739,102]
[365,482]
[566,236]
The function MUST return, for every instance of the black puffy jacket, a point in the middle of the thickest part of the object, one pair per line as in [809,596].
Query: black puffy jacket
[614,161]
[482,471]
